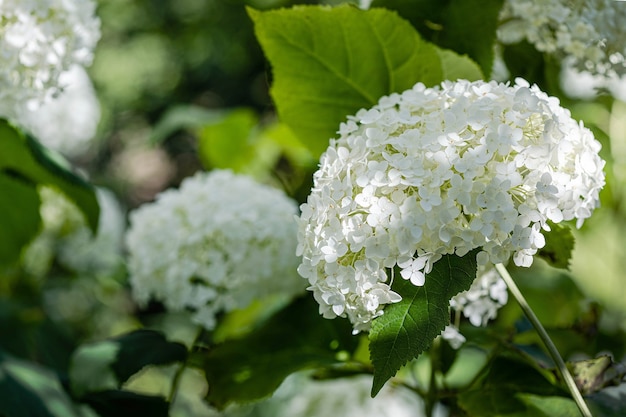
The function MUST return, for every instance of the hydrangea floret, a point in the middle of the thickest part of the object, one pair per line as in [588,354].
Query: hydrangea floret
[479,304]
[214,245]
[39,40]
[482,301]
[435,171]
[591,33]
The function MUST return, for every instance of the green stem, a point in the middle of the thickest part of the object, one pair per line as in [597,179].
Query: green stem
[554,353]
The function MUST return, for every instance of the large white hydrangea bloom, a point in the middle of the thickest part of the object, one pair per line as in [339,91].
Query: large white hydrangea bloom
[591,32]
[436,171]
[39,40]
[217,243]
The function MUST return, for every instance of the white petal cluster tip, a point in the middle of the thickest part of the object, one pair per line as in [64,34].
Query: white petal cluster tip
[217,243]
[435,171]
[39,40]
[592,33]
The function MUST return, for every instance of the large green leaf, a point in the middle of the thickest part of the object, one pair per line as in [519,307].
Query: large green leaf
[330,62]
[252,367]
[19,216]
[408,328]
[30,390]
[107,364]
[22,155]
[467,26]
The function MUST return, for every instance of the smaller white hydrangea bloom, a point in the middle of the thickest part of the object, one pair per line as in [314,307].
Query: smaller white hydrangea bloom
[68,122]
[590,32]
[482,301]
[479,304]
[39,40]
[215,244]
[436,171]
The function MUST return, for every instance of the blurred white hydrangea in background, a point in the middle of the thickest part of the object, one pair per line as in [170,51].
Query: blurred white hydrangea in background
[66,237]
[40,40]
[68,122]
[590,32]
[215,244]
[435,171]
[301,395]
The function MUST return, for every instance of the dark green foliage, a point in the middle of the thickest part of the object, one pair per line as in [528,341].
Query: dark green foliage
[559,246]
[117,359]
[30,390]
[115,403]
[19,214]
[252,367]
[24,164]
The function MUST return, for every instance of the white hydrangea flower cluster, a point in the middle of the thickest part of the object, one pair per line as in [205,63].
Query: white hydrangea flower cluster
[435,171]
[482,301]
[39,40]
[591,32]
[67,123]
[217,243]
[479,304]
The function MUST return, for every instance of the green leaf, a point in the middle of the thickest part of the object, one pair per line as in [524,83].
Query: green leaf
[455,66]
[559,246]
[107,364]
[252,367]
[494,393]
[538,406]
[22,156]
[330,62]
[610,402]
[181,117]
[30,390]
[408,328]
[467,27]
[19,216]
[229,142]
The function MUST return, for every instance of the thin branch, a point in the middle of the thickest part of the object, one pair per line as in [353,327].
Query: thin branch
[554,353]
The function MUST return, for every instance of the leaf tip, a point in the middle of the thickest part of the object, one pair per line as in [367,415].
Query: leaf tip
[377,385]
[253,13]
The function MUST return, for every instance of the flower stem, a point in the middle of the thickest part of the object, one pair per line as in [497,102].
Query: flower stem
[554,353]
